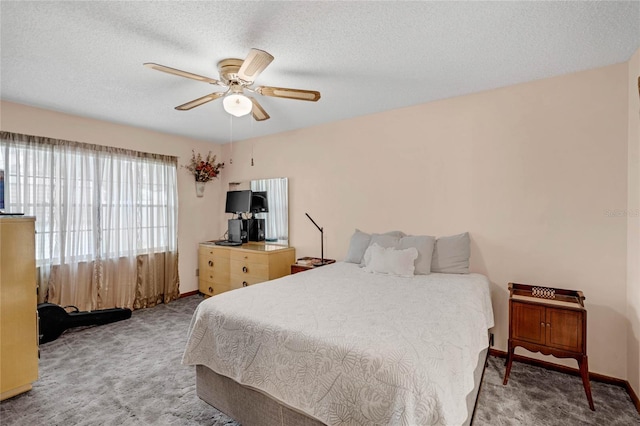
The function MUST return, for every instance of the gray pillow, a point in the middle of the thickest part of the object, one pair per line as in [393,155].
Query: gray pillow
[390,239]
[398,234]
[425,245]
[357,246]
[451,254]
[359,243]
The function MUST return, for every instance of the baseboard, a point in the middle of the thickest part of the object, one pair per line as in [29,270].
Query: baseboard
[573,371]
[633,396]
[189,293]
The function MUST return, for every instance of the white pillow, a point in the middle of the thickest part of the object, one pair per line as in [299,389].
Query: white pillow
[391,261]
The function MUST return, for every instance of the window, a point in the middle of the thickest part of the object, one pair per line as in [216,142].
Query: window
[89,203]
[92,203]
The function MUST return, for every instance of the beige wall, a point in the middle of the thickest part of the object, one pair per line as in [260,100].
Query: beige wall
[196,222]
[533,171]
[633,227]
[530,170]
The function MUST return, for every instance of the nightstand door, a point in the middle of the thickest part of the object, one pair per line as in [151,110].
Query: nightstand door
[528,322]
[564,329]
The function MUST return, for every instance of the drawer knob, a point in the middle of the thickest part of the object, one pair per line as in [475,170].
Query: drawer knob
[542,324]
[244,269]
[210,289]
[244,283]
[211,263]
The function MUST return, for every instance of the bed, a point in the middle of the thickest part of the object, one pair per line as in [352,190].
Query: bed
[339,345]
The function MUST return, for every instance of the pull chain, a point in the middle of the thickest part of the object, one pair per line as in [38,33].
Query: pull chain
[231,138]
[252,141]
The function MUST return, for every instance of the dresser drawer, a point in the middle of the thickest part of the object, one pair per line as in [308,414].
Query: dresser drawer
[239,281]
[245,268]
[213,267]
[211,289]
[215,251]
[214,278]
[249,257]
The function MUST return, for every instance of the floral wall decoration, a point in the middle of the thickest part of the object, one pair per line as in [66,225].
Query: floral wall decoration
[203,170]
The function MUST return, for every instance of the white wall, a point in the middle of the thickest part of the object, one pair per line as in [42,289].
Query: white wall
[197,217]
[531,171]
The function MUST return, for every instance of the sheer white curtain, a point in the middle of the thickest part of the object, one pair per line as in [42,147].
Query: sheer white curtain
[277,219]
[106,220]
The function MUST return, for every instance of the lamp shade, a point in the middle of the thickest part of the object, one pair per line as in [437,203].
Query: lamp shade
[237,105]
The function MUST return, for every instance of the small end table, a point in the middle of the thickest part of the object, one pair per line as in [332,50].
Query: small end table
[549,320]
[309,263]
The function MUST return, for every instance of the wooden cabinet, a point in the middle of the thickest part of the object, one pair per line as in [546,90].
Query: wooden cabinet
[224,268]
[18,306]
[556,328]
[551,321]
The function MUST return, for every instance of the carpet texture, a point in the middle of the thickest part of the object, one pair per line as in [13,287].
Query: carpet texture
[129,373]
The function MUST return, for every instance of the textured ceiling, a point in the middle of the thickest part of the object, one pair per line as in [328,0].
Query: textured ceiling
[85,58]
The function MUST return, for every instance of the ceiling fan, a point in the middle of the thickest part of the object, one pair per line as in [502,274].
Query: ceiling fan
[237,76]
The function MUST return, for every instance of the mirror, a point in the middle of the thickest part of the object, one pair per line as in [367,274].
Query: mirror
[277,218]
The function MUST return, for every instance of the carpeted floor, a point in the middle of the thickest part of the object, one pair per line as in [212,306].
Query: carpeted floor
[129,373]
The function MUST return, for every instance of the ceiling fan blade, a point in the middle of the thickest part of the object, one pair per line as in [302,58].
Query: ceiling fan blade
[203,100]
[282,92]
[181,73]
[259,114]
[257,60]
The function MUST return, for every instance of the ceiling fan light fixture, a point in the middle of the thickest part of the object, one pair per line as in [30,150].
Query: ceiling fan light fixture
[238,75]
[237,105]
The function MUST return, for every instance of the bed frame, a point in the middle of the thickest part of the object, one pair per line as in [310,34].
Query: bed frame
[251,407]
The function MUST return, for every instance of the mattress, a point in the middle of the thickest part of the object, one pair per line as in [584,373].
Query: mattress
[348,347]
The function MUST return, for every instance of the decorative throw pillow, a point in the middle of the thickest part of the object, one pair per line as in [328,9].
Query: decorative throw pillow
[390,239]
[357,246]
[451,254]
[424,244]
[391,261]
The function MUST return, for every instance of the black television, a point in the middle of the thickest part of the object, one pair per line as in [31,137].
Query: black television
[238,202]
[259,202]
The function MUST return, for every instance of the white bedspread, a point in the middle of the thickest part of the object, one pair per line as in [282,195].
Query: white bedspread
[349,347]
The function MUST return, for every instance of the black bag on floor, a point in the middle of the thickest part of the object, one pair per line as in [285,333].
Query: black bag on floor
[54,319]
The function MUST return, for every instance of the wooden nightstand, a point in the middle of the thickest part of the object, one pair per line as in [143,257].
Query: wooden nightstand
[551,321]
[295,268]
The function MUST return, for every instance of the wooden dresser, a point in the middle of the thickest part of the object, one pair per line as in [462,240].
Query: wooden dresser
[18,306]
[223,268]
[551,321]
